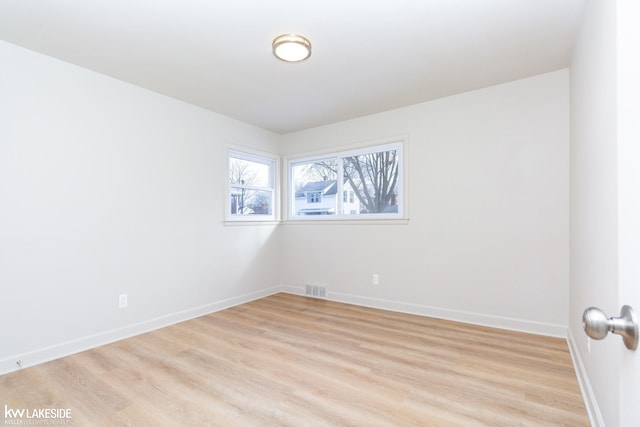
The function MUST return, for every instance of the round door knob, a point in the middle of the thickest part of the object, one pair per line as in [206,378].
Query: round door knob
[595,323]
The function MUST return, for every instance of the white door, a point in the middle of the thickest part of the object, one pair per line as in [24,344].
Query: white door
[628,42]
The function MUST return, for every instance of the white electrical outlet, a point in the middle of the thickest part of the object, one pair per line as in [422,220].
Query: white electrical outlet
[376,279]
[122,301]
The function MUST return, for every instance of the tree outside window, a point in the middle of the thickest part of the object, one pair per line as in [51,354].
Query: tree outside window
[371,183]
[251,185]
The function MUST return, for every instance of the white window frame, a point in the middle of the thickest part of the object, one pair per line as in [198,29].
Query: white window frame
[394,143]
[273,162]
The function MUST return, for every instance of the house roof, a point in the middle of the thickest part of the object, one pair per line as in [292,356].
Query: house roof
[327,188]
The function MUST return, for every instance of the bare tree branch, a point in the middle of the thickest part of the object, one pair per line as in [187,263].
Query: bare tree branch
[374,177]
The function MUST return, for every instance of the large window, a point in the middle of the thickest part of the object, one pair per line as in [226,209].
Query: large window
[355,184]
[251,187]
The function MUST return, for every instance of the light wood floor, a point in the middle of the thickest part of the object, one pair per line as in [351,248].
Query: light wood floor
[295,361]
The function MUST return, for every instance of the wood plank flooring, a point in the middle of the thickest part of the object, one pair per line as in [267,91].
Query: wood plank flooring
[294,361]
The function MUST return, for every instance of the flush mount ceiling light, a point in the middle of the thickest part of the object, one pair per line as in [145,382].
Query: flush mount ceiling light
[291,48]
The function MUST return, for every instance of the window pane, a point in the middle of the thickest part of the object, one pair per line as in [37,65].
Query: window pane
[348,184]
[250,202]
[316,188]
[373,177]
[249,173]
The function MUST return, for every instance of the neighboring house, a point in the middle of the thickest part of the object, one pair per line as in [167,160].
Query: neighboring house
[319,198]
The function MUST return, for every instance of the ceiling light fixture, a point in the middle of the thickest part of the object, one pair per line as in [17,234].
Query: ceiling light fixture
[291,48]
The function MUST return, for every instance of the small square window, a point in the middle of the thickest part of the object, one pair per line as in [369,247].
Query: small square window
[314,197]
[251,187]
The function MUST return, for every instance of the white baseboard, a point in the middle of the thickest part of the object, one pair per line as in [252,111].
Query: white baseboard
[589,397]
[46,354]
[289,289]
[520,325]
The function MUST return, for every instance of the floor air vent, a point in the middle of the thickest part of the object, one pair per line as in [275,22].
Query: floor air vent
[315,291]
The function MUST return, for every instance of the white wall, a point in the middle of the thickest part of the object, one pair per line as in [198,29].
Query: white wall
[594,250]
[106,188]
[487,239]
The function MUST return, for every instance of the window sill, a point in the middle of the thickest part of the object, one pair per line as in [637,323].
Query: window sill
[376,221]
[247,222]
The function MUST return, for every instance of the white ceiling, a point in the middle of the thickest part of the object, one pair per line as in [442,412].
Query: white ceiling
[368,55]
